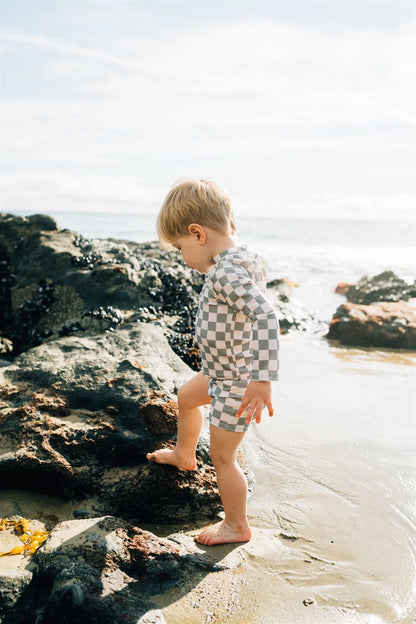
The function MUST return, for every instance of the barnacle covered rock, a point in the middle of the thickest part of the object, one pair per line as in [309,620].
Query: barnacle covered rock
[76,285]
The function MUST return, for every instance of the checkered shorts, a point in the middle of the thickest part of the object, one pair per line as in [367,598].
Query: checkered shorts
[226,395]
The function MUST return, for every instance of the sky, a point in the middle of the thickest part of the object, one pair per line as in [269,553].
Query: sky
[297,108]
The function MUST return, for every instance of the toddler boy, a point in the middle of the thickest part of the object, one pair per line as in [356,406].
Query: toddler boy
[238,337]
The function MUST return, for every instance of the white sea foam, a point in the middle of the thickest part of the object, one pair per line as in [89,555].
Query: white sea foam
[306,263]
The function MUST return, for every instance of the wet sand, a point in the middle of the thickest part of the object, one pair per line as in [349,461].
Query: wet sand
[332,508]
[334,500]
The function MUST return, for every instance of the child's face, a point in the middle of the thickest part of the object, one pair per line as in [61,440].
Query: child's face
[195,255]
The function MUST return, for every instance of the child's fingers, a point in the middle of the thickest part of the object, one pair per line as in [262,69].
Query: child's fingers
[259,409]
[244,403]
[269,407]
[249,415]
[254,409]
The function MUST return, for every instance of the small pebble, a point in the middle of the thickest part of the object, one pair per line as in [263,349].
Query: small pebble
[308,601]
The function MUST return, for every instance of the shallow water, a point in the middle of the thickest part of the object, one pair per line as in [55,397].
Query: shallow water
[335,473]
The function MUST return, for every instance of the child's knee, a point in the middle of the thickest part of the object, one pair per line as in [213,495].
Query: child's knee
[180,394]
[184,397]
[219,456]
[193,393]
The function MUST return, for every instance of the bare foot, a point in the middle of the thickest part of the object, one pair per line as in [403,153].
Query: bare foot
[170,456]
[223,533]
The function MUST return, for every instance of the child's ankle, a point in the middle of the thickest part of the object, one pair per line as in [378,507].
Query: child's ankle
[238,524]
[185,455]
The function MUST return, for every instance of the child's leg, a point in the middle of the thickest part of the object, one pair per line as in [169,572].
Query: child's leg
[191,396]
[232,485]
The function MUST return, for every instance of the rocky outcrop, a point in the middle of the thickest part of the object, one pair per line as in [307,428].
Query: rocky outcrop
[79,414]
[87,386]
[377,314]
[386,286]
[383,324]
[292,314]
[56,283]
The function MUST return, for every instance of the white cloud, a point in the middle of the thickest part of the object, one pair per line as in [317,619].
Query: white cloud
[63,191]
[59,191]
[95,113]
[67,48]
[279,74]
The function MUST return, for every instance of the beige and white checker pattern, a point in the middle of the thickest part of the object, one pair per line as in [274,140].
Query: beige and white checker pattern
[236,328]
[226,398]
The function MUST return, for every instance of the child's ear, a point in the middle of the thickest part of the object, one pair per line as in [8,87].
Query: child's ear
[198,232]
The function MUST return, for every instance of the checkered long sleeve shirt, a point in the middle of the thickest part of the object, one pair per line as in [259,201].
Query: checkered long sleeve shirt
[236,328]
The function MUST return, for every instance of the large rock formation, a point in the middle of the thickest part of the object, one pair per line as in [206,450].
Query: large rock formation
[56,283]
[79,414]
[87,387]
[378,313]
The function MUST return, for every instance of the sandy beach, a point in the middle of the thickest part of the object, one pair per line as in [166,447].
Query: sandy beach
[332,504]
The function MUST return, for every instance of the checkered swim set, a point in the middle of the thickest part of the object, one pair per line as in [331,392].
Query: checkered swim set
[237,332]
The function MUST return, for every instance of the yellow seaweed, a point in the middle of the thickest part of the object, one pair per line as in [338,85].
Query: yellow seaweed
[24,537]
[31,539]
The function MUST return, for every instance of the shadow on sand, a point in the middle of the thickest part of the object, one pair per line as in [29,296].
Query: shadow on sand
[109,572]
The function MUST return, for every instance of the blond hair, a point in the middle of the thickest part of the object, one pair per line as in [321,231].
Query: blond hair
[194,201]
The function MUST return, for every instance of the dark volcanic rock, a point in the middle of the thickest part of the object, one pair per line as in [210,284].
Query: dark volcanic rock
[79,414]
[385,286]
[87,328]
[55,283]
[384,324]
[291,313]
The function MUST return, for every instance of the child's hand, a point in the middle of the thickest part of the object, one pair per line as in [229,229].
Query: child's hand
[257,395]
